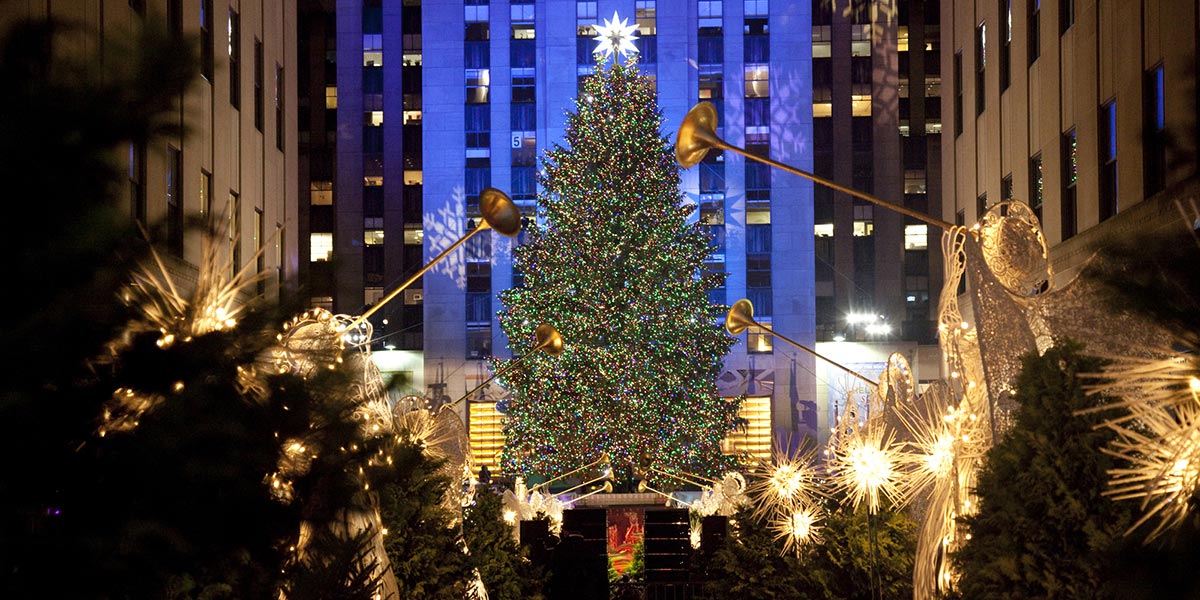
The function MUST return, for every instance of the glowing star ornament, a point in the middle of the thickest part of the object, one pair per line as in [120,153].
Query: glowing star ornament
[615,37]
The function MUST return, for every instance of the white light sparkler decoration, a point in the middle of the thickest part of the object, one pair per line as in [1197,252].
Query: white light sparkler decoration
[788,482]
[1158,436]
[798,527]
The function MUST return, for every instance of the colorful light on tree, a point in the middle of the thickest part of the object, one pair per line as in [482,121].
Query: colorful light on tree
[616,269]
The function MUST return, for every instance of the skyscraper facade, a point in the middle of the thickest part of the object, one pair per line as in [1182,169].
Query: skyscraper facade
[399,149]
[1086,110]
[234,162]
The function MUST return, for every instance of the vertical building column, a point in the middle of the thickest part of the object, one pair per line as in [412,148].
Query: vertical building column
[792,255]
[444,155]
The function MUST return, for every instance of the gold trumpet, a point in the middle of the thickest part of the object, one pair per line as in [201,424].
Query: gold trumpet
[607,487]
[741,316]
[697,135]
[643,487]
[698,481]
[546,339]
[603,459]
[497,211]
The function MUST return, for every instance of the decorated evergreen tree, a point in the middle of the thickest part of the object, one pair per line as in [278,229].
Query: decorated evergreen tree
[1043,529]
[503,565]
[616,268]
[422,543]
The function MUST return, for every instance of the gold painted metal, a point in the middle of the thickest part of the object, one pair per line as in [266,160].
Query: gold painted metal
[603,459]
[606,478]
[741,317]
[697,135]
[547,339]
[606,488]
[686,478]
[643,487]
[497,211]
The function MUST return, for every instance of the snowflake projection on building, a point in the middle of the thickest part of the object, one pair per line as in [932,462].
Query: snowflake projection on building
[615,36]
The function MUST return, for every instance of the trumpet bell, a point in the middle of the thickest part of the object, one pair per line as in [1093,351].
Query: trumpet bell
[549,340]
[499,212]
[641,488]
[741,316]
[697,135]
[608,487]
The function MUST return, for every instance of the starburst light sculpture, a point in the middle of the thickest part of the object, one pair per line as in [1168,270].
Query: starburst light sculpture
[1158,436]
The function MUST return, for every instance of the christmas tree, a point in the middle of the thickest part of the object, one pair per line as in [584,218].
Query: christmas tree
[616,268]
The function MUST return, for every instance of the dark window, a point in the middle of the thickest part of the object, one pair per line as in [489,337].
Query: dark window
[758,241]
[1070,175]
[279,93]
[258,85]
[822,12]
[137,181]
[476,55]
[372,140]
[1066,15]
[1006,191]
[206,207]
[478,124]
[980,206]
[711,50]
[372,17]
[822,79]
[758,181]
[648,47]
[475,179]
[175,17]
[1154,132]
[1036,185]
[1035,30]
[373,263]
[583,50]
[824,248]
[1005,43]
[712,177]
[522,54]
[175,201]
[958,93]
[234,48]
[758,112]
[477,32]
[524,117]
[138,6]
[524,183]
[206,39]
[980,68]
[1108,160]
[757,49]
[523,86]
[235,231]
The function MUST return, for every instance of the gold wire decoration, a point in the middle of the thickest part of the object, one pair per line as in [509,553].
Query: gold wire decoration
[1015,250]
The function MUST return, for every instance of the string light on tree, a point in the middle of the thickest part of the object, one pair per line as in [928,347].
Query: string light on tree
[616,271]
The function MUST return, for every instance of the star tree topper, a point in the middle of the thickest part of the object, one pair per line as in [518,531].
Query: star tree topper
[615,36]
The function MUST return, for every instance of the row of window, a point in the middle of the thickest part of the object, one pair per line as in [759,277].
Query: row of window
[1154,161]
[1066,19]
